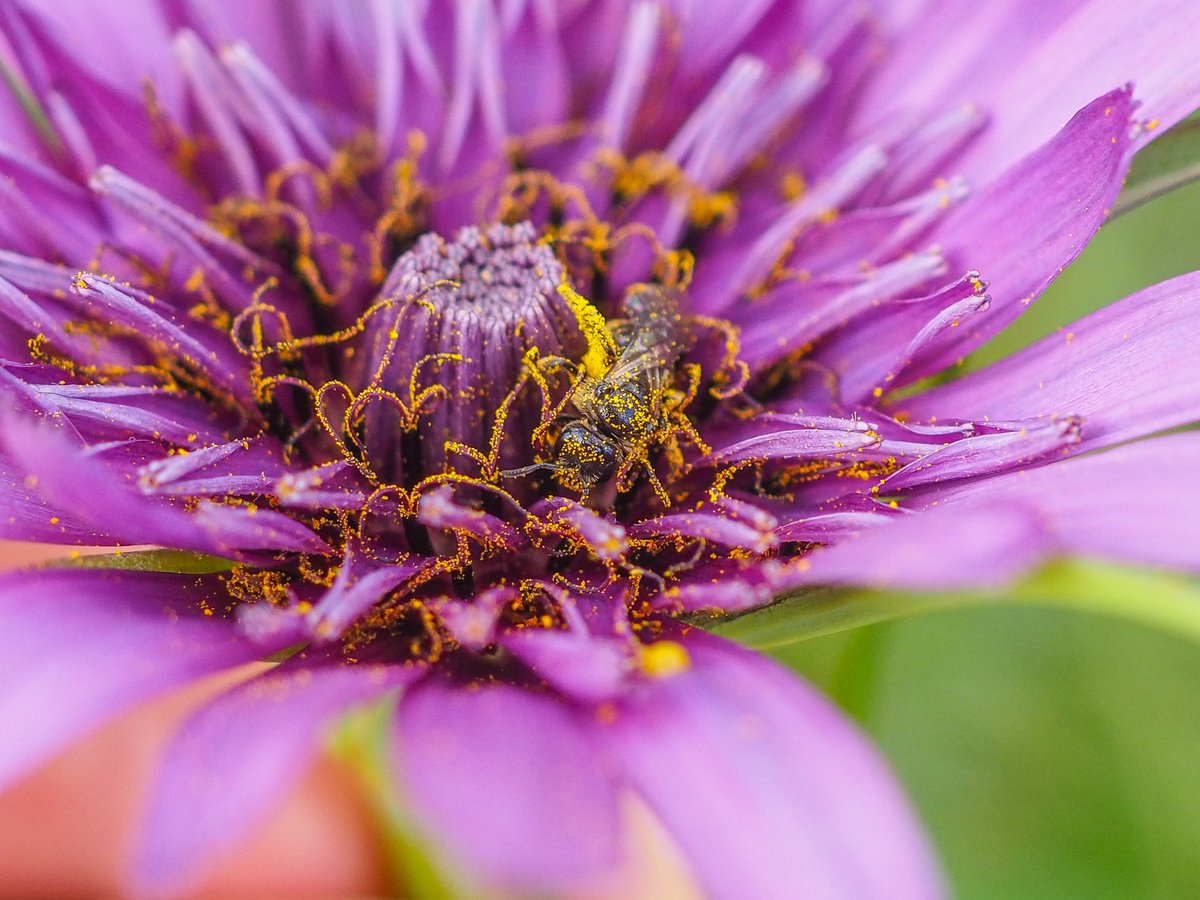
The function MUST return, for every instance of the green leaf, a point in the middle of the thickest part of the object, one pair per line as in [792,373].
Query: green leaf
[148,561]
[1170,162]
[1164,600]
[362,742]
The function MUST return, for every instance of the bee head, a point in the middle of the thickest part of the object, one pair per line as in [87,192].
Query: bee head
[583,456]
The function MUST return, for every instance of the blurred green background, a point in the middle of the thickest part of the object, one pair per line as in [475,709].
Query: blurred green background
[1052,754]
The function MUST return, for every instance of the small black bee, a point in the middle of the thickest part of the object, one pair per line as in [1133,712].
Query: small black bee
[632,407]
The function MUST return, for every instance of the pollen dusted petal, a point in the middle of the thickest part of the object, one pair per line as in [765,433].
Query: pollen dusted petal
[765,341]
[438,509]
[866,371]
[474,623]
[109,501]
[105,412]
[359,586]
[793,443]
[710,527]
[197,240]
[1014,445]
[830,527]
[1128,370]
[604,537]
[134,309]
[722,588]
[585,667]
[749,267]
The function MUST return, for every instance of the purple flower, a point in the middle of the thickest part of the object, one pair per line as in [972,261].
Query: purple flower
[322,289]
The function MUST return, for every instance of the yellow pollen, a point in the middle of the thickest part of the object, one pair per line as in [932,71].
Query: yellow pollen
[792,186]
[602,350]
[664,658]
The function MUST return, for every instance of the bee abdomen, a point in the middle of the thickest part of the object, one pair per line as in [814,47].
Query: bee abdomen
[624,411]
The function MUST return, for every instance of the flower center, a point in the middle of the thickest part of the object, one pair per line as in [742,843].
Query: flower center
[474,307]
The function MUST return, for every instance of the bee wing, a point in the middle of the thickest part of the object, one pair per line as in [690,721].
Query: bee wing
[642,360]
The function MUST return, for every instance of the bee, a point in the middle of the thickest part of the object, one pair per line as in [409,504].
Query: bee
[626,411]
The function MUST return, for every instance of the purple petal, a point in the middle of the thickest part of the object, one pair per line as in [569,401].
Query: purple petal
[580,665]
[81,646]
[829,527]
[757,537]
[125,30]
[1020,232]
[809,442]
[1025,227]
[25,516]
[1055,58]
[439,509]
[510,783]
[769,791]
[1015,445]
[105,412]
[106,498]
[537,90]
[602,535]
[473,623]
[935,550]
[1129,370]
[722,588]
[780,322]
[234,759]
[359,585]
[236,467]
[1135,503]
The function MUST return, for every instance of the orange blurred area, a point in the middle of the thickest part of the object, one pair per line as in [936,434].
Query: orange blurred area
[68,829]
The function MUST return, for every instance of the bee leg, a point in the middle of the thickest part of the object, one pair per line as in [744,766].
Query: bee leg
[551,364]
[681,424]
[674,454]
[538,367]
[658,486]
